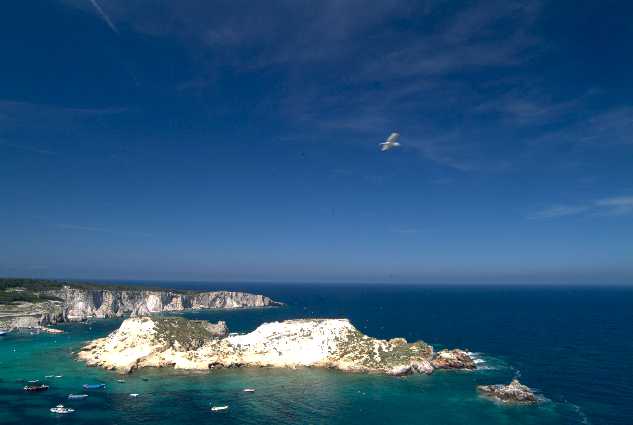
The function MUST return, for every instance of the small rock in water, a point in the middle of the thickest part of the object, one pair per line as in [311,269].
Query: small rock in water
[453,359]
[513,392]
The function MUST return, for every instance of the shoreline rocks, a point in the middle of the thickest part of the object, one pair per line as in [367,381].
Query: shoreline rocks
[190,344]
[515,392]
[453,359]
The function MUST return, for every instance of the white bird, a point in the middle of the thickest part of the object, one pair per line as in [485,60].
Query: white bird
[391,142]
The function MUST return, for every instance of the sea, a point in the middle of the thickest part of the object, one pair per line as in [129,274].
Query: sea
[574,345]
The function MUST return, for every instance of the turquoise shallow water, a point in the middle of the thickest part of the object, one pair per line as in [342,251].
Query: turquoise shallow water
[512,341]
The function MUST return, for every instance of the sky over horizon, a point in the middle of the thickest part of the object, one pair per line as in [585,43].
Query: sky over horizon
[238,141]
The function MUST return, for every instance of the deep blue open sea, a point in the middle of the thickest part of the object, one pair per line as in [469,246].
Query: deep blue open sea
[574,345]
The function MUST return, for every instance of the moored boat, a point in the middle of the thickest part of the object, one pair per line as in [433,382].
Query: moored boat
[219,408]
[93,386]
[61,409]
[77,396]
[35,388]
[249,390]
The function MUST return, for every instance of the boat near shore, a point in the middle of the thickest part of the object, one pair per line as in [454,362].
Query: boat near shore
[61,409]
[77,396]
[35,388]
[219,408]
[93,386]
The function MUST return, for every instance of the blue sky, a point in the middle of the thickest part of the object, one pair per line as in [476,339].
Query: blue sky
[233,140]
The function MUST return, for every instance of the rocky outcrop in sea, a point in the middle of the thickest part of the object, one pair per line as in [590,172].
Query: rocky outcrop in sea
[453,359]
[513,392]
[187,344]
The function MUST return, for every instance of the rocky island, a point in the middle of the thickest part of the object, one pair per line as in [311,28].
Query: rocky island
[26,303]
[513,392]
[330,343]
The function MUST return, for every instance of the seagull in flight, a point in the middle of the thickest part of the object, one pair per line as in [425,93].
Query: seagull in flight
[391,142]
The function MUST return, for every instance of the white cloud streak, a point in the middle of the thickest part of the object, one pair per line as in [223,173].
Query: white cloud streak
[105,17]
[613,206]
[66,226]
[557,211]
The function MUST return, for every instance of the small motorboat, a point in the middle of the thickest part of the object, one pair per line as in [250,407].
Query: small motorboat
[35,388]
[219,408]
[77,396]
[34,381]
[121,381]
[49,376]
[3,333]
[134,395]
[59,376]
[93,386]
[249,390]
[61,409]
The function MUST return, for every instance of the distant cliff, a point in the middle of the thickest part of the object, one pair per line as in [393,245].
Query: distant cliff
[33,305]
[80,304]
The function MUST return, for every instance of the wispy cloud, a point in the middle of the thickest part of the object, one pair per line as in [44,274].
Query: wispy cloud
[10,108]
[407,67]
[406,230]
[21,118]
[613,206]
[609,127]
[618,205]
[558,211]
[104,16]
[82,228]
[27,148]
[466,40]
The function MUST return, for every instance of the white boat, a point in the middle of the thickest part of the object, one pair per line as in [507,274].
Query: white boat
[219,408]
[121,381]
[134,395]
[77,396]
[61,409]
[59,376]
[249,390]
[3,333]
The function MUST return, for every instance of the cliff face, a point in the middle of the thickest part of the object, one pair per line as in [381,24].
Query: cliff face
[80,304]
[184,344]
[77,304]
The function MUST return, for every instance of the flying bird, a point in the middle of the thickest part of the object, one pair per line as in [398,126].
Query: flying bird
[391,142]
